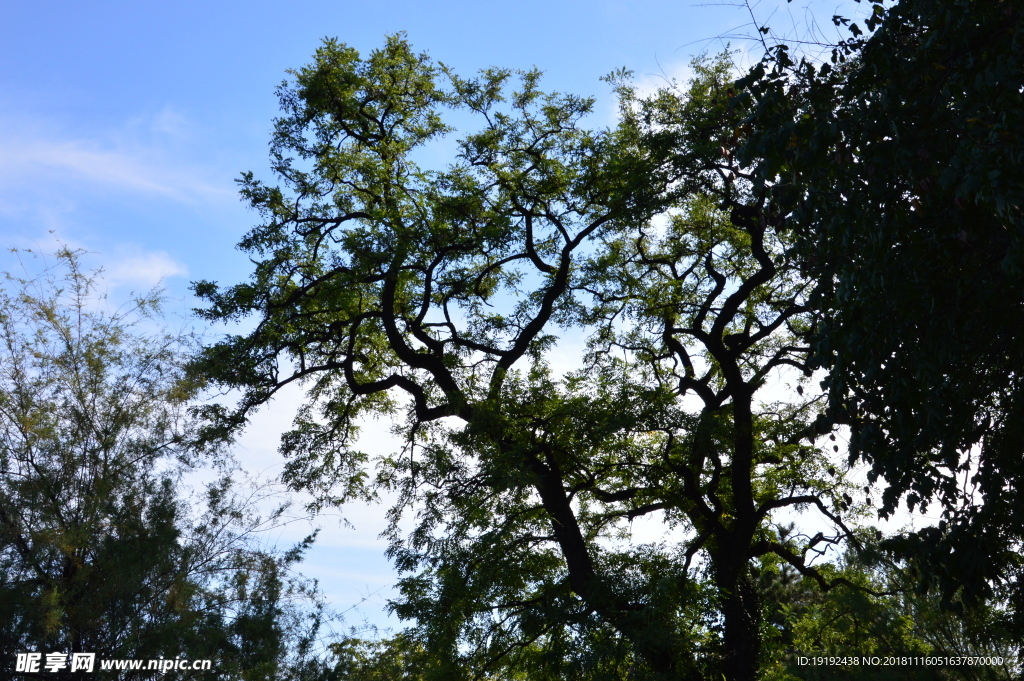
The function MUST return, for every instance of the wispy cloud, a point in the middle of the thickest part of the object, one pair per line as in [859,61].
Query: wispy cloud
[137,269]
[143,157]
[676,74]
[170,122]
[679,72]
[129,267]
[670,75]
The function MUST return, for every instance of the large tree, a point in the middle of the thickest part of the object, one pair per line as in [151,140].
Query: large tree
[100,550]
[898,163]
[437,297]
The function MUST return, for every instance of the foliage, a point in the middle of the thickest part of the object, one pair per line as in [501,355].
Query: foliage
[899,165]
[888,617]
[438,297]
[99,550]
[396,659]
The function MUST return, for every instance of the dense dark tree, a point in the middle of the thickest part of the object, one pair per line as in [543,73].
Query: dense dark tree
[437,296]
[899,166]
[99,551]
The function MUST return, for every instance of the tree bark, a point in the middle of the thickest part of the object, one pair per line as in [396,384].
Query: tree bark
[741,612]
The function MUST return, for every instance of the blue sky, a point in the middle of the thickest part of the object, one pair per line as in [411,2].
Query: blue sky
[124,124]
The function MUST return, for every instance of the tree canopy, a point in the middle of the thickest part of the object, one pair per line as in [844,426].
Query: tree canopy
[101,551]
[436,296]
[899,165]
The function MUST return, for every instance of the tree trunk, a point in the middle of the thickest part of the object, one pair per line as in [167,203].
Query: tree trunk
[741,612]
